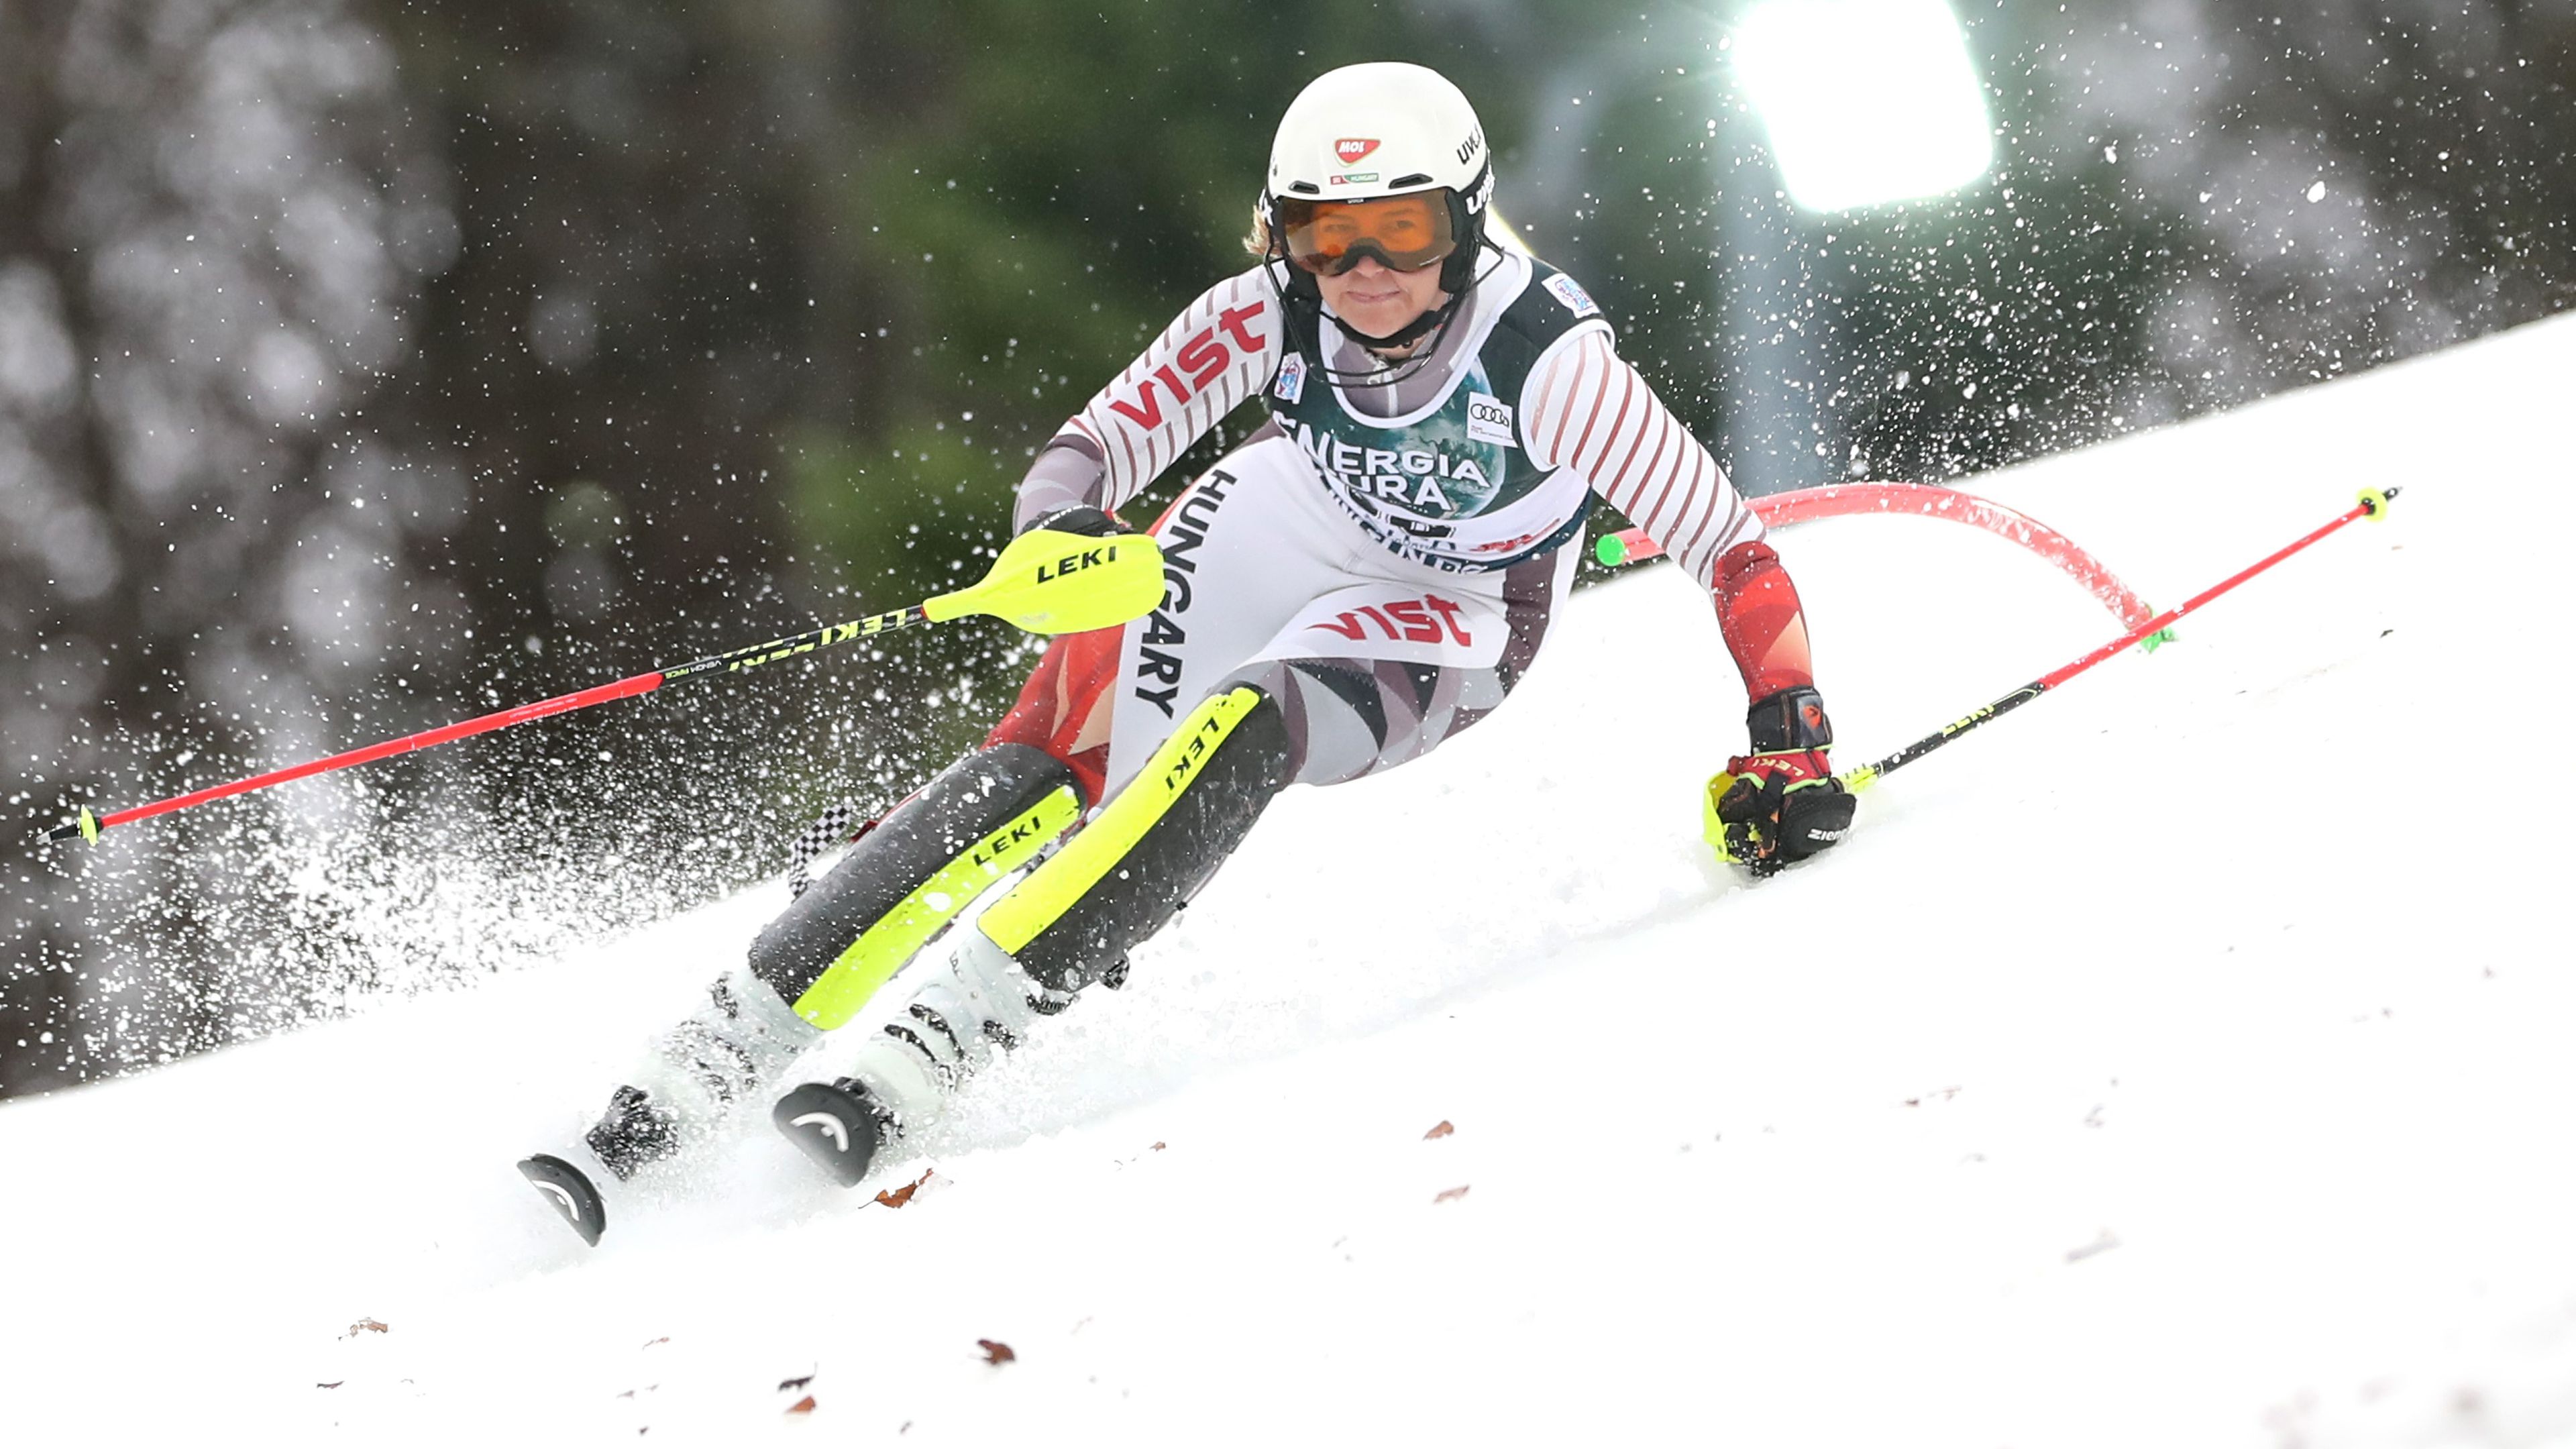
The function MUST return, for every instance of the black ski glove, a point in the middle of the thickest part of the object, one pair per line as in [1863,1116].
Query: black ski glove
[1780,803]
[1079,518]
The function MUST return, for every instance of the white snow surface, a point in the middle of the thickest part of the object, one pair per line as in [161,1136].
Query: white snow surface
[2183,1060]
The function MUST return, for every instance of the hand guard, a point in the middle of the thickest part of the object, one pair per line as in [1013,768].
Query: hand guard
[1779,803]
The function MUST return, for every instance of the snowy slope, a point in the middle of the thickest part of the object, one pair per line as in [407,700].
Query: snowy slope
[2183,1060]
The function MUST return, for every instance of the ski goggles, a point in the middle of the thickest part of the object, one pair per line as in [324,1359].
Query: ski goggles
[1402,232]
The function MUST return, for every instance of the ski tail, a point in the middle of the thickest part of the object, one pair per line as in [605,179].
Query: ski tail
[571,1193]
[837,1124]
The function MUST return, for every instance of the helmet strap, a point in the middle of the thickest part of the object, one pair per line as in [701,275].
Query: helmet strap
[1467,223]
[1301,283]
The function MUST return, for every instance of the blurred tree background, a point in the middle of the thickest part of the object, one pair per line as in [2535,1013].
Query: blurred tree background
[366,365]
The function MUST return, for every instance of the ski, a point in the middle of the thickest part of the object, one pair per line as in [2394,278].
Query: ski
[570,1191]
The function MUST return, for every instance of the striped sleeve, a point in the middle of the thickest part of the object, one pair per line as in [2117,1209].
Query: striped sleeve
[1220,351]
[1591,412]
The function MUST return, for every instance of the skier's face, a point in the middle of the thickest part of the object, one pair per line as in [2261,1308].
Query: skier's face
[1378,300]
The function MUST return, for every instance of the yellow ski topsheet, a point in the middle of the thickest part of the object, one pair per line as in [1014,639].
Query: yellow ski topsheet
[846,986]
[1036,903]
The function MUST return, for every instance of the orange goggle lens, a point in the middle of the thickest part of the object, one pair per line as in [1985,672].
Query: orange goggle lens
[1403,232]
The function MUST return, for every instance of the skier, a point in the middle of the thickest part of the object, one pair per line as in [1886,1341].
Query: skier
[1365,576]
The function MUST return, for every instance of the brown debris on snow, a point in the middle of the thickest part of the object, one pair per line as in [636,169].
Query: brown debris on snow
[903,1194]
[804,1405]
[366,1325]
[1451,1194]
[996,1352]
[1443,1130]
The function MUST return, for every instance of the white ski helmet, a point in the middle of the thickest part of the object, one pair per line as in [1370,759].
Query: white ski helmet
[1384,128]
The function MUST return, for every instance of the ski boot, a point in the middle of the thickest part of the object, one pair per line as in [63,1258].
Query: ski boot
[900,1081]
[1069,922]
[744,1038]
[822,960]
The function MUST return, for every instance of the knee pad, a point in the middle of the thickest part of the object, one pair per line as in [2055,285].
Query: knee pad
[1073,921]
[977,821]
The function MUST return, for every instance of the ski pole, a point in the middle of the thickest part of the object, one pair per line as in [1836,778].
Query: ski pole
[2374,504]
[1045,581]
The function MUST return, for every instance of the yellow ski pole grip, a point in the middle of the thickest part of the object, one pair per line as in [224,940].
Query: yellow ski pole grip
[1051,582]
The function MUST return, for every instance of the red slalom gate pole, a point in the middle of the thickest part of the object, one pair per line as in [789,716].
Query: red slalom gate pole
[1912,500]
[2374,504]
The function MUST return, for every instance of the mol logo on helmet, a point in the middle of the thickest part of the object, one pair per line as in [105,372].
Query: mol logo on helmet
[1350,149]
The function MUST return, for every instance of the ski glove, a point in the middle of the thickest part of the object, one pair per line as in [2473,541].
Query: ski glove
[1079,518]
[1780,803]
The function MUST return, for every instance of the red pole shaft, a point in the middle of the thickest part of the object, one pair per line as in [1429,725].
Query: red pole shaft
[754,657]
[2068,671]
[503,719]
[1862,777]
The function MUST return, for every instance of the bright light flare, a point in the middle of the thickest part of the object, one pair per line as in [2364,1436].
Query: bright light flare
[1866,101]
